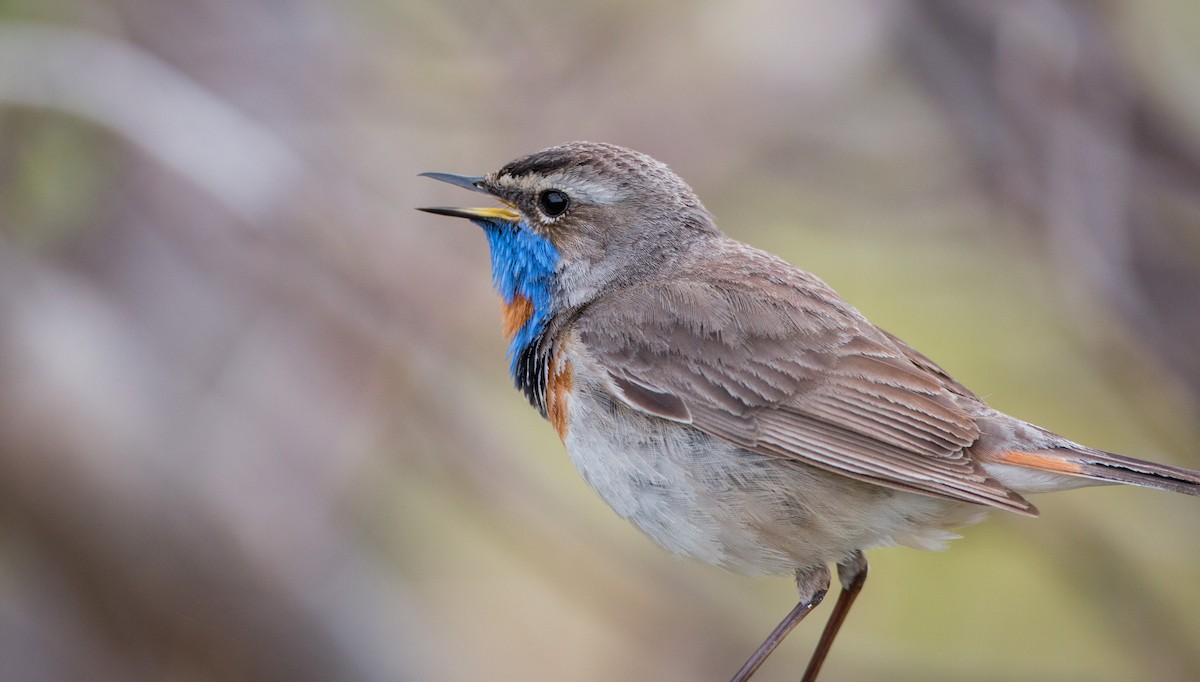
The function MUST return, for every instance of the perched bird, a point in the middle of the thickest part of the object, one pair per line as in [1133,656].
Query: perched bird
[733,406]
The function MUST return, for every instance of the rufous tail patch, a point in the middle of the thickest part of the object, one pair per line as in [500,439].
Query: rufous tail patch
[1040,461]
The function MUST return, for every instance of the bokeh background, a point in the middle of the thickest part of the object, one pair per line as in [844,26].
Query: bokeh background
[255,421]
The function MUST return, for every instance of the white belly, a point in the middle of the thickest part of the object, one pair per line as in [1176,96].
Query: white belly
[705,498]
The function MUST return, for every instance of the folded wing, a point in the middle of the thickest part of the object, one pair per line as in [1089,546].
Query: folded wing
[768,357]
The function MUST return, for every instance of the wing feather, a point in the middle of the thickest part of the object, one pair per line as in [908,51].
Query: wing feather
[768,357]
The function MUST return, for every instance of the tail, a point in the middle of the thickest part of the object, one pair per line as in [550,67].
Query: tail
[1106,466]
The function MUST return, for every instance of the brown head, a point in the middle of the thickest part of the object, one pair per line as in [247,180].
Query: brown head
[611,214]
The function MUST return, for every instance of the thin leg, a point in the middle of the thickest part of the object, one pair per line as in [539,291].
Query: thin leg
[813,584]
[852,574]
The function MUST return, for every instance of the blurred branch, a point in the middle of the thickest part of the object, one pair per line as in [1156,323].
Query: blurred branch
[1038,92]
[179,123]
[95,473]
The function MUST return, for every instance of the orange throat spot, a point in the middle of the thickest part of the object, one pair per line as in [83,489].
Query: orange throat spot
[516,314]
[558,388]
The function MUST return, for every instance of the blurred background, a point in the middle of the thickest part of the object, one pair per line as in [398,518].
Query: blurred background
[255,417]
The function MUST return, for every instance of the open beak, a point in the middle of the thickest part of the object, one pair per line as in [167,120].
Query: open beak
[506,213]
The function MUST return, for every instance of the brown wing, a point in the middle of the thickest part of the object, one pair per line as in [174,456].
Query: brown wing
[749,349]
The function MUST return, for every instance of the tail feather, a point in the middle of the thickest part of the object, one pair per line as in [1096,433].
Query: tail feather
[1107,466]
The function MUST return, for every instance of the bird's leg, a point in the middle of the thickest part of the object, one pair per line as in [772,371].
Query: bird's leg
[812,583]
[852,573]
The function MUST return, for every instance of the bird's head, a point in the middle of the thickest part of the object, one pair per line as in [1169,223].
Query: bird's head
[580,217]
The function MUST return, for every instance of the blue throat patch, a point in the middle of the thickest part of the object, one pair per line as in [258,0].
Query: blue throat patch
[523,265]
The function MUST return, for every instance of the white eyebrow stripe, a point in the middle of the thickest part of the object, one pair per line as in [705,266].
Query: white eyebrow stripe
[579,186]
[583,190]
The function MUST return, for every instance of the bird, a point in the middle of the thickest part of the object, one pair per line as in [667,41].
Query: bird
[733,406]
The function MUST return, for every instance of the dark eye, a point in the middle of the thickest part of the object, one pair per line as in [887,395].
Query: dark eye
[553,202]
